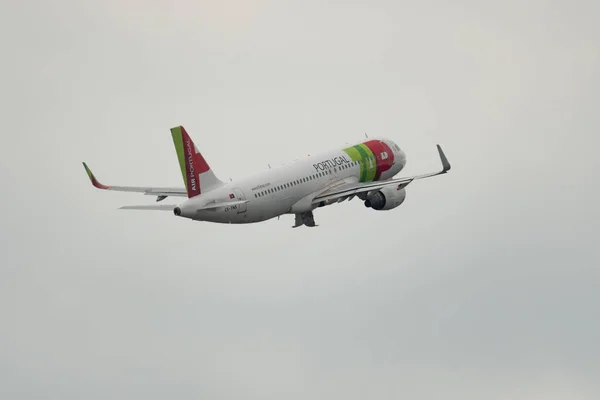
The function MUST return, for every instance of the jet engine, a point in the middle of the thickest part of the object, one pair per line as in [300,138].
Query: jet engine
[385,199]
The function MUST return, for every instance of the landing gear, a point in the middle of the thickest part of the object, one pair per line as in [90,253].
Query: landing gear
[305,218]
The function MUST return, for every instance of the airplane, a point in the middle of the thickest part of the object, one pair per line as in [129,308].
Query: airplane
[365,171]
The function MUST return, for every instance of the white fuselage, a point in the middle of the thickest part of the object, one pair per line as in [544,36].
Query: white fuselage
[286,189]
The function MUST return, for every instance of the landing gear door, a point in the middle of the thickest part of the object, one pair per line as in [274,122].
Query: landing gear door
[240,196]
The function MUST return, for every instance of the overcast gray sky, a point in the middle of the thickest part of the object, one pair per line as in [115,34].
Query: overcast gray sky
[483,284]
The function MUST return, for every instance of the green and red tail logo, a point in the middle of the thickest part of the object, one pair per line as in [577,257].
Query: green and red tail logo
[191,162]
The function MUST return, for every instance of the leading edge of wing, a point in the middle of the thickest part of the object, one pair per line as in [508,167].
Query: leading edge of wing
[152,191]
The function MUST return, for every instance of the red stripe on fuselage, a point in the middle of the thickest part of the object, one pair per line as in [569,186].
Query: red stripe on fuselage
[380,149]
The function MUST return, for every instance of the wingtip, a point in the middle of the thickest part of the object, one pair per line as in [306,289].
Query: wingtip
[93,179]
[445,163]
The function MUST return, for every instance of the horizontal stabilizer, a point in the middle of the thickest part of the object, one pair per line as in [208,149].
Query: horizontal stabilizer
[152,207]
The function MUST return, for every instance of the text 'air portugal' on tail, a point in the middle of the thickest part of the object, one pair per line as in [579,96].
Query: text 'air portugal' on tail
[197,175]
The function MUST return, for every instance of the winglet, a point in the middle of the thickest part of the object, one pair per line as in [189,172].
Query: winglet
[93,178]
[445,164]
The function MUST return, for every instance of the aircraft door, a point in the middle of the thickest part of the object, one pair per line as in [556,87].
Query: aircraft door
[240,196]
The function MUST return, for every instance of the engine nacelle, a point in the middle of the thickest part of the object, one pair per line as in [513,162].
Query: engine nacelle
[387,198]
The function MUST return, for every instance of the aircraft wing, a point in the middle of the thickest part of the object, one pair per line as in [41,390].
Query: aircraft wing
[160,192]
[342,192]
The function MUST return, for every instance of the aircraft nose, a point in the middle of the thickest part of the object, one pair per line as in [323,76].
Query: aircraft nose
[401,158]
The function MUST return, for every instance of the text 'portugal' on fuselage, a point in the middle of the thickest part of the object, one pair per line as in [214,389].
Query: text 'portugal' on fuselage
[365,171]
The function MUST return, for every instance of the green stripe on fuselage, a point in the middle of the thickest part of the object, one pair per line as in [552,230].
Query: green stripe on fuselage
[363,166]
[370,163]
[178,142]
[354,155]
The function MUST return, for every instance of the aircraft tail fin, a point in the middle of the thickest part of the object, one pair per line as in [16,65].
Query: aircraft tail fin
[197,175]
